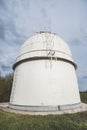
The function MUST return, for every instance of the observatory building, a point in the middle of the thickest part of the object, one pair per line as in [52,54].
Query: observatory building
[44,75]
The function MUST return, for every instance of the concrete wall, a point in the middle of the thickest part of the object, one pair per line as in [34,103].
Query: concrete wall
[45,83]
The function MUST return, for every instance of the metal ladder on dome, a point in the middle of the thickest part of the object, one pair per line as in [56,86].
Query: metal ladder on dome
[49,45]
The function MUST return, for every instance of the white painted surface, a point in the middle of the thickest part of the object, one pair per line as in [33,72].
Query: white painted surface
[45,82]
[36,45]
[38,84]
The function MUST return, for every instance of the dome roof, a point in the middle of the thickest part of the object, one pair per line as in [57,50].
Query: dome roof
[45,44]
[45,40]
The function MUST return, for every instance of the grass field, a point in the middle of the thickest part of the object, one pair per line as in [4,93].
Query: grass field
[78,121]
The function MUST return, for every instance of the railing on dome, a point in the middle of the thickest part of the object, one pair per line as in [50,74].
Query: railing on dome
[49,48]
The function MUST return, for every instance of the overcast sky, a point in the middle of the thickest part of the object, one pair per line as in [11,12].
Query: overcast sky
[19,19]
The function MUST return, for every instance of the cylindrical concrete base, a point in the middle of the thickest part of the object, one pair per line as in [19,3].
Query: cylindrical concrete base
[45,108]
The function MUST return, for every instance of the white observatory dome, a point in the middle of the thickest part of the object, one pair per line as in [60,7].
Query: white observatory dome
[44,75]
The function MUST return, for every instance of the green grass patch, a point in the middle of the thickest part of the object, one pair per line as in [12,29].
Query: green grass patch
[9,121]
[78,121]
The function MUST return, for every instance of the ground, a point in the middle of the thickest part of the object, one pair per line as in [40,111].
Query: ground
[13,121]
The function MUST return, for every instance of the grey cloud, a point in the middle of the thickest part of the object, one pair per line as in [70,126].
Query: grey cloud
[2,4]
[80,39]
[43,11]
[75,42]
[84,77]
[2,30]
[5,68]
[8,31]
